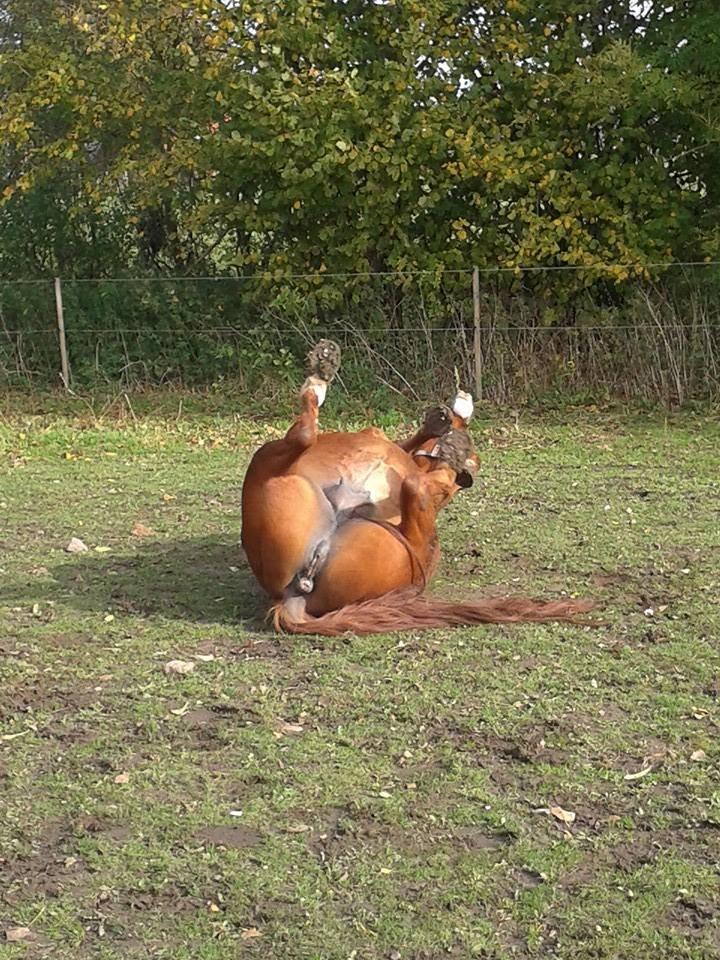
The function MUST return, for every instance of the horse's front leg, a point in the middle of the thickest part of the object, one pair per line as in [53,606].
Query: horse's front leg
[436,423]
[439,421]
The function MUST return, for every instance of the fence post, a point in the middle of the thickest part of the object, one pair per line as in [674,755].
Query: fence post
[477,345]
[65,367]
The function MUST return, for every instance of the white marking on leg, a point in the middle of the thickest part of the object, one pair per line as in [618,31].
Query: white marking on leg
[463,405]
[316,386]
[320,391]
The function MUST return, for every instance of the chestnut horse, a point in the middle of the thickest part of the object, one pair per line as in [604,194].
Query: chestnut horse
[340,528]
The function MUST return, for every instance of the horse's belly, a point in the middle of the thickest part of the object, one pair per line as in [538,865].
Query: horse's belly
[361,469]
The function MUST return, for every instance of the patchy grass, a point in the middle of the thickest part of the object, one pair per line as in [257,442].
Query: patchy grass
[383,797]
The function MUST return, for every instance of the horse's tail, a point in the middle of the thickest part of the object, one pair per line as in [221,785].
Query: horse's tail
[407,610]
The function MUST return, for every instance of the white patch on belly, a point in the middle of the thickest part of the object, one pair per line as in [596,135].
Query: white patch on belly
[365,485]
[373,482]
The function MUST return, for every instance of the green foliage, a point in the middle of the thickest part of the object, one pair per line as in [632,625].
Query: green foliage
[339,136]
[314,135]
[687,41]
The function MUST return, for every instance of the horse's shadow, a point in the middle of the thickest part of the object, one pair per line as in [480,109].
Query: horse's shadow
[203,580]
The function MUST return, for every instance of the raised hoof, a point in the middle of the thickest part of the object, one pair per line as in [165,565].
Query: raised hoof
[324,360]
[438,421]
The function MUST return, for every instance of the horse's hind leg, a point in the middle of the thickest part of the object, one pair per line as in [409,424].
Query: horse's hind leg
[419,497]
[274,458]
[284,516]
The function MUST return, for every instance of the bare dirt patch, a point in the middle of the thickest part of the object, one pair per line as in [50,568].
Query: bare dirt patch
[88,825]
[616,578]
[51,868]
[170,899]
[261,648]
[695,918]
[232,838]
[39,696]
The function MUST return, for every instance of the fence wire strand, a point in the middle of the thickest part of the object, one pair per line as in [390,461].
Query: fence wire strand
[239,331]
[437,272]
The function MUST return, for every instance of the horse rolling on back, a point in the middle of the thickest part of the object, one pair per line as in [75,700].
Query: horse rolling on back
[340,528]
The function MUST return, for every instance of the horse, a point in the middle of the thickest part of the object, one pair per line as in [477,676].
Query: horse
[340,528]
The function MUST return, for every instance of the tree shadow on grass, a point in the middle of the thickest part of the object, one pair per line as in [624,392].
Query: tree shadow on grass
[203,580]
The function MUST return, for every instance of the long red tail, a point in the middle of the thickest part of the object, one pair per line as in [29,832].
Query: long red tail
[407,610]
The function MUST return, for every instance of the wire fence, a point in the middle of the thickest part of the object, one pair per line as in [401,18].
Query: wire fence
[509,333]
[467,271]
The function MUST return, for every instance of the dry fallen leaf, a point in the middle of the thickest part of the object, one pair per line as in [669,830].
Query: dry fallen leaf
[122,778]
[181,711]
[297,828]
[698,755]
[250,933]
[204,657]
[13,736]
[640,773]
[289,729]
[16,934]
[140,530]
[75,546]
[179,666]
[565,816]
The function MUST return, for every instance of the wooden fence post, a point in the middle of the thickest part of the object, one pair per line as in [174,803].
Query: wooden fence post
[65,367]
[477,345]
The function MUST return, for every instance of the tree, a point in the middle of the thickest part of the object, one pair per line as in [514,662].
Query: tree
[341,135]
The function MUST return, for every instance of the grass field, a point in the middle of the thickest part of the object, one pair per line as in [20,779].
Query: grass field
[525,792]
